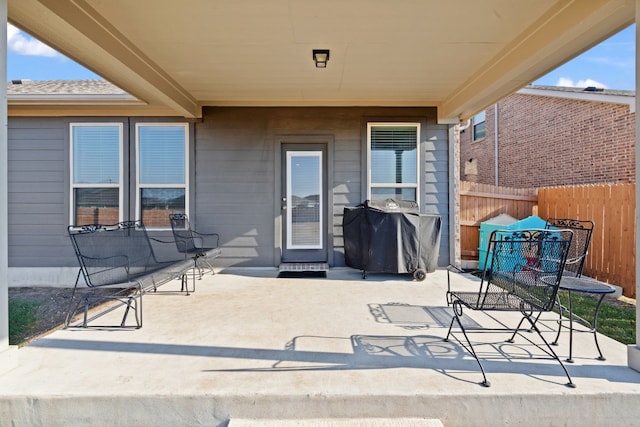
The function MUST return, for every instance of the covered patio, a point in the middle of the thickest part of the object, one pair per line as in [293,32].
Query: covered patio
[250,347]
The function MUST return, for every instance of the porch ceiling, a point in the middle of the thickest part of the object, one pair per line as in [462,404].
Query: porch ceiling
[458,55]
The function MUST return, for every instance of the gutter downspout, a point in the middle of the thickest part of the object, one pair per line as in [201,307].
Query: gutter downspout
[495,144]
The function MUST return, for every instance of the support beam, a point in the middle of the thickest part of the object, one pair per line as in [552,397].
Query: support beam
[8,354]
[633,350]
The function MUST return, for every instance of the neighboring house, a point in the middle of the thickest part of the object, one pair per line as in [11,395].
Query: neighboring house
[79,152]
[551,136]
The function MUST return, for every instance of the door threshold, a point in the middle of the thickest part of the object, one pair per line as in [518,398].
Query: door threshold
[303,270]
[303,266]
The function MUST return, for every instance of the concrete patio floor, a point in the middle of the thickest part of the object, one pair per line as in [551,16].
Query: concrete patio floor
[248,348]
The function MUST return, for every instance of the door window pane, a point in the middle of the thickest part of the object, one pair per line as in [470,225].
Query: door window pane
[304,212]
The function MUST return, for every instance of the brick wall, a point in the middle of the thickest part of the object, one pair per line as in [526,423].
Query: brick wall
[476,157]
[157,217]
[105,216]
[545,141]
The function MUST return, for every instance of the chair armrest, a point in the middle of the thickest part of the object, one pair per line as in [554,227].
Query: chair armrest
[180,244]
[453,269]
[99,262]
[102,259]
[202,236]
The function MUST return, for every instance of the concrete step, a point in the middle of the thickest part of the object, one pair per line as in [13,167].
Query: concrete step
[337,422]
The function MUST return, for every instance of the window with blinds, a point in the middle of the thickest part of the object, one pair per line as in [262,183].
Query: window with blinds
[162,172]
[96,173]
[393,161]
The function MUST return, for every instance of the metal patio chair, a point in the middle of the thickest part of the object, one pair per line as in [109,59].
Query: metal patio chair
[582,232]
[200,246]
[578,251]
[522,274]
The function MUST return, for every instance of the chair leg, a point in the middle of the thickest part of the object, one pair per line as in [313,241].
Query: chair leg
[71,310]
[132,303]
[139,307]
[515,332]
[86,312]
[457,312]
[135,310]
[184,279]
[126,313]
[207,266]
[560,308]
[551,352]
[136,305]
[555,342]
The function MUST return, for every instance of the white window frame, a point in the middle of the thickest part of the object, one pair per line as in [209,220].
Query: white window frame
[119,185]
[479,118]
[139,186]
[371,185]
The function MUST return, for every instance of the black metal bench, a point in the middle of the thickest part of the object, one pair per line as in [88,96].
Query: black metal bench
[122,257]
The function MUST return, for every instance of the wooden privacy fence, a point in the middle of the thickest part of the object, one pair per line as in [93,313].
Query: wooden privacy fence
[610,206]
[480,202]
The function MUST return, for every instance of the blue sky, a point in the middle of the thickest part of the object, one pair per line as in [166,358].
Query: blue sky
[28,58]
[610,65]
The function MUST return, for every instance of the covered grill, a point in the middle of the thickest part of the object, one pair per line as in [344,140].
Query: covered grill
[390,236]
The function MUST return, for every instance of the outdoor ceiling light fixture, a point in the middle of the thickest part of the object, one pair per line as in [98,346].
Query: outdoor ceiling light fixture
[320,57]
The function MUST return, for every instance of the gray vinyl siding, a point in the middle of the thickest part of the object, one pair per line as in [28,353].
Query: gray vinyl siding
[234,186]
[234,156]
[236,180]
[38,193]
[435,191]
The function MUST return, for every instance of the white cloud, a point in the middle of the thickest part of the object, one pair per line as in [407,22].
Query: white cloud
[22,44]
[567,82]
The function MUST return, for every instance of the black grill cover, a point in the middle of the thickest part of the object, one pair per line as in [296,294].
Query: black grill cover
[390,236]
